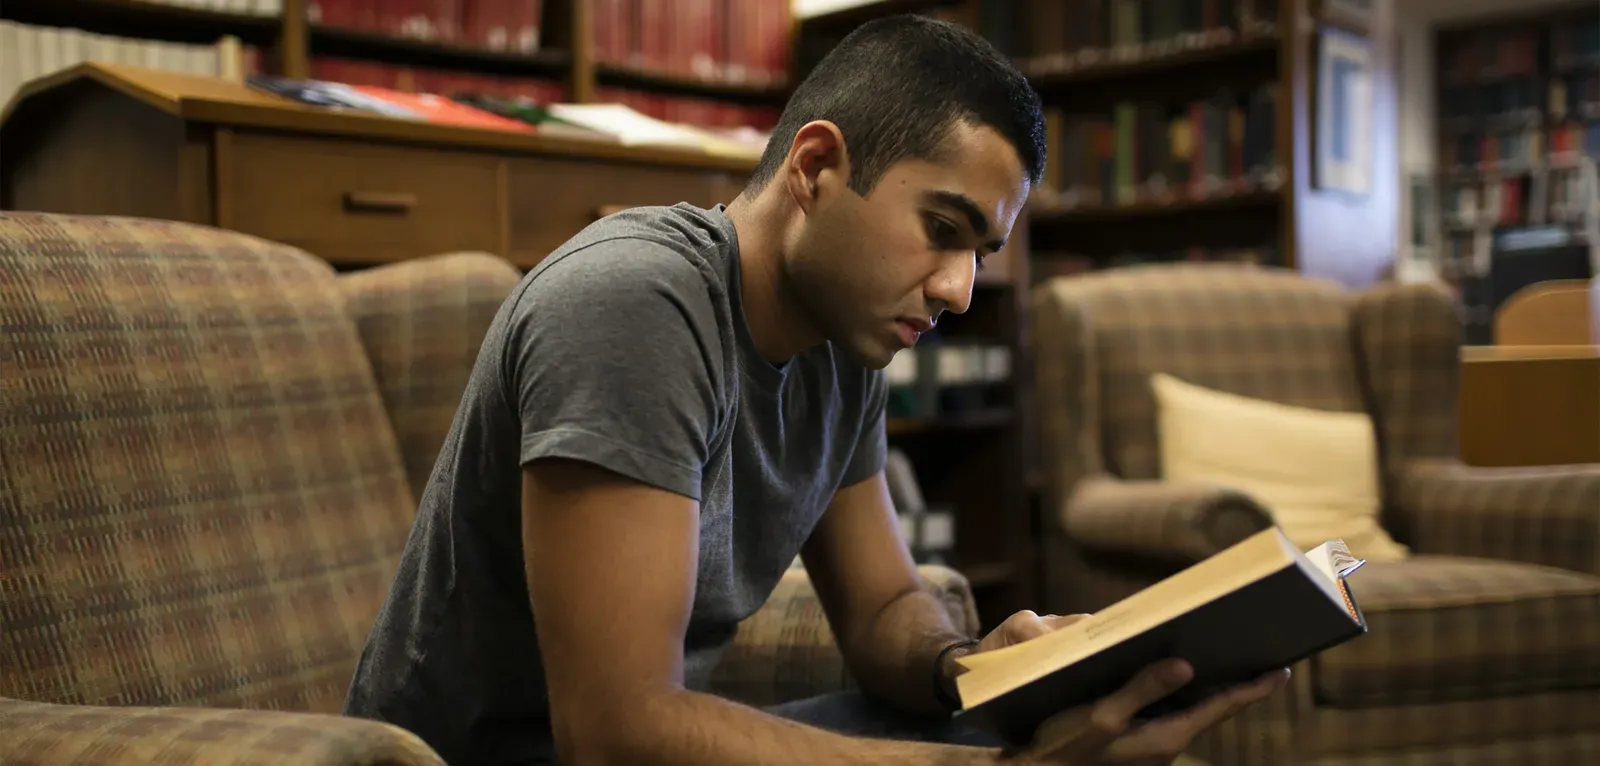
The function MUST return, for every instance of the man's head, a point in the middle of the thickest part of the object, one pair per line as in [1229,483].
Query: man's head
[903,160]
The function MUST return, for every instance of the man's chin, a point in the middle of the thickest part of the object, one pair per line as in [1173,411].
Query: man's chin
[871,354]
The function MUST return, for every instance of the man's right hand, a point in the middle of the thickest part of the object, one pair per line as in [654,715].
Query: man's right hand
[1106,733]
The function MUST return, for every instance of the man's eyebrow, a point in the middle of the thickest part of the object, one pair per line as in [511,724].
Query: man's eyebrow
[968,208]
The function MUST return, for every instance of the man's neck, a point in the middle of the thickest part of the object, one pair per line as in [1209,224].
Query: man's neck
[777,325]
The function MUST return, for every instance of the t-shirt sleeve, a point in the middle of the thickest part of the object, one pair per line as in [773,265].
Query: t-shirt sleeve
[612,359]
[872,447]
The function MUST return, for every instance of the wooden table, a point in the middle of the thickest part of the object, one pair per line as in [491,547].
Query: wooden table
[1530,405]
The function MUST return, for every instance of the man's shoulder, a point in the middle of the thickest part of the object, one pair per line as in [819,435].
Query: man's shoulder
[672,252]
[640,289]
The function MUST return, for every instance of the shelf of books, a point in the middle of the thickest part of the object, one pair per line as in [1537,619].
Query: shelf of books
[255,22]
[1518,110]
[1166,114]
[41,37]
[1518,130]
[708,65]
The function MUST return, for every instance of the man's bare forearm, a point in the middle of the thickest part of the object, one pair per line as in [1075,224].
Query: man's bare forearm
[892,657]
[676,727]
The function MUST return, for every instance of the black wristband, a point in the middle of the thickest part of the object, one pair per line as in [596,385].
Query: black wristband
[950,703]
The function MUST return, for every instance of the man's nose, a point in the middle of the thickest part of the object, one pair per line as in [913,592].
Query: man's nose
[951,286]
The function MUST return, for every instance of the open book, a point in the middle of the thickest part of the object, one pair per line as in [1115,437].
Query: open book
[1259,605]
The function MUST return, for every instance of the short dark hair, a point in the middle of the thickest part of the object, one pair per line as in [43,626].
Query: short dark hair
[896,86]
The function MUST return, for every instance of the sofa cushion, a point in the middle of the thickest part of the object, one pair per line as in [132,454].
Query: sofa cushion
[1314,470]
[1446,628]
[201,500]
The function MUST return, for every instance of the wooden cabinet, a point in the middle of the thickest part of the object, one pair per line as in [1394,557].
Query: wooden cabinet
[1530,405]
[352,202]
[353,189]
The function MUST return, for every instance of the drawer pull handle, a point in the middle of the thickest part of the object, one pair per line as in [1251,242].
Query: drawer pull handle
[379,202]
[605,210]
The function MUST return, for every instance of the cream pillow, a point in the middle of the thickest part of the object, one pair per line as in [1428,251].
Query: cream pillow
[1316,471]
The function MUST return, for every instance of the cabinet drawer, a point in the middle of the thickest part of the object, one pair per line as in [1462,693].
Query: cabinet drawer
[359,203]
[553,199]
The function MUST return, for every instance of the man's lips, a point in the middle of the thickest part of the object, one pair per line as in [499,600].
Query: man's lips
[911,329]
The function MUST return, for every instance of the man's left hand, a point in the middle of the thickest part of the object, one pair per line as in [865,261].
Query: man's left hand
[1023,626]
[1017,628]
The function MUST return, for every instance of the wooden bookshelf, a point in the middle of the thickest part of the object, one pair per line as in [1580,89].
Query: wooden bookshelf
[566,54]
[1044,215]
[368,45]
[680,85]
[1517,114]
[144,19]
[1328,233]
[1048,75]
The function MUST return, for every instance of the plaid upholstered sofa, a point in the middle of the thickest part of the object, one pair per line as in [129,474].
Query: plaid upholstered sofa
[210,452]
[1484,644]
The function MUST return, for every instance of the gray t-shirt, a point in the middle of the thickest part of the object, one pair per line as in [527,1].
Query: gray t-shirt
[627,348]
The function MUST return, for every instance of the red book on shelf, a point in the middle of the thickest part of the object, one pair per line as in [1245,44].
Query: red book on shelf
[607,25]
[756,23]
[361,14]
[387,16]
[495,23]
[739,39]
[652,35]
[674,36]
[472,27]
[693,18]
[445,16]
[526,24]
[776,39]
[419,22]
[707,58]
[331,13]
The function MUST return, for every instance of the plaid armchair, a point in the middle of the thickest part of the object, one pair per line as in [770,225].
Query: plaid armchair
[210,448]
[1484,645]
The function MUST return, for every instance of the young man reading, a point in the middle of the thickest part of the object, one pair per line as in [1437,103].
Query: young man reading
[677,402]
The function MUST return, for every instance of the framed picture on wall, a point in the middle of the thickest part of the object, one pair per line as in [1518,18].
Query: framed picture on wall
[1342,113]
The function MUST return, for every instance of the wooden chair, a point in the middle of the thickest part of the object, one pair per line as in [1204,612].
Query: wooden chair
[1559,312]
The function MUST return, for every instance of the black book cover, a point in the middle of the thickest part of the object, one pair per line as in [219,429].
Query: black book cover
[1271,623]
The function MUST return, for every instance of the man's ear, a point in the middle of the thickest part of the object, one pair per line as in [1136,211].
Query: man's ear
[818,165]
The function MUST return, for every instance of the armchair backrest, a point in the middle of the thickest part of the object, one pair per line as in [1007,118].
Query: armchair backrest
[1392,351]
[1257,332]
[201,499]
[422,323]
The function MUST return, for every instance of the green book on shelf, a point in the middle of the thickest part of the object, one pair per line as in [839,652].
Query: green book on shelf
[528,111]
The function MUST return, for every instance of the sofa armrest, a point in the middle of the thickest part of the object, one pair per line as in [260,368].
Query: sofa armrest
[1174,521]
[786,650]
[1539,515]
[44,734]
